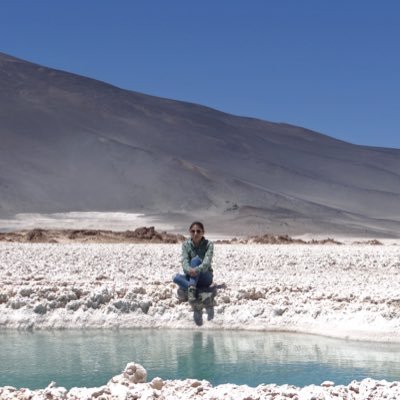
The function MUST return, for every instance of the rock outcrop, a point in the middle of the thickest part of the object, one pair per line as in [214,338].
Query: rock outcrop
[139,235]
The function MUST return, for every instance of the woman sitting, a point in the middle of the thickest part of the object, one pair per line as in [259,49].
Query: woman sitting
[197,253]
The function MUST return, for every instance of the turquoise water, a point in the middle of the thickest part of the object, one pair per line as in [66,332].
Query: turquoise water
[74,358]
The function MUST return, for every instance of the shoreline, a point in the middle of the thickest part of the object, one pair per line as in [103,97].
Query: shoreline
[363,336]
[132,384]
[346,291]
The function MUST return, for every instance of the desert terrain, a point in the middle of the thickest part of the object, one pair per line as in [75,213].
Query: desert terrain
[93,279]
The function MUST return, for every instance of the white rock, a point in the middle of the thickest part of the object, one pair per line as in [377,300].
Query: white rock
[157,383]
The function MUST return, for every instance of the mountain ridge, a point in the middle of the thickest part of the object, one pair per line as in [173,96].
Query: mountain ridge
[72,143]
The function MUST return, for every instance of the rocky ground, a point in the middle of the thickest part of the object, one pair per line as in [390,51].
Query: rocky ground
[146,235]
[347,291]
[142,234]
[131,384]
[337,290]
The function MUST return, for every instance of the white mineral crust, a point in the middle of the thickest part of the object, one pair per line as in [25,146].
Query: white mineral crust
[350,291]
[131,384]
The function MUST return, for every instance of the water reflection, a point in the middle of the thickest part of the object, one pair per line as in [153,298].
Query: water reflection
[92,358]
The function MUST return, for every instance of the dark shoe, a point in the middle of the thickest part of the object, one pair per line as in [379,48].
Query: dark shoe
[181,295]
[192,295]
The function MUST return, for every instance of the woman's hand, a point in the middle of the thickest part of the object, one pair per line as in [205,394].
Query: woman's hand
[192,271]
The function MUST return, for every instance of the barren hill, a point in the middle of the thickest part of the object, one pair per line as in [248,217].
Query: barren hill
[71,143]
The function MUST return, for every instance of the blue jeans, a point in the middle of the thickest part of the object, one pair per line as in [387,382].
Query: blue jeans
[201,280]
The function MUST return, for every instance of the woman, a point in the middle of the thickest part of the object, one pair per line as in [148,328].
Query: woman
[197,253]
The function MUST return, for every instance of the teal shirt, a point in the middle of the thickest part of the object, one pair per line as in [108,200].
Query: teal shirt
[204,250]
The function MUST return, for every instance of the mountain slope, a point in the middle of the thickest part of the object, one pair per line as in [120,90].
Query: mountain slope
[70,143]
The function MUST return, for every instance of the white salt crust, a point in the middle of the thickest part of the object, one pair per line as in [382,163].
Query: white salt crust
[349,291]
[131,384]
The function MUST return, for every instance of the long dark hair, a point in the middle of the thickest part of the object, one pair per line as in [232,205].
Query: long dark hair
[198,224]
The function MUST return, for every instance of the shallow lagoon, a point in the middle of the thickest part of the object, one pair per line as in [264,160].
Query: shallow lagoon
[91,358]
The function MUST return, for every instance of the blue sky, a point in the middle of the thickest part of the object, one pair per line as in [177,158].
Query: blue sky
[331,66]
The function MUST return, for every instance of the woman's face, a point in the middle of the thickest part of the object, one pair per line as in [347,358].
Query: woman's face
[196,233]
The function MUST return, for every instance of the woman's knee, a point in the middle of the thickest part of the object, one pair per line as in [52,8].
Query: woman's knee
[178,278]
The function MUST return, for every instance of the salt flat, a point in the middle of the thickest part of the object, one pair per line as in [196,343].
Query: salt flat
[337,290]
[347,291]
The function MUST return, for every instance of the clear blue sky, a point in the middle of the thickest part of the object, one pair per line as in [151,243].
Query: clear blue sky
[328,65]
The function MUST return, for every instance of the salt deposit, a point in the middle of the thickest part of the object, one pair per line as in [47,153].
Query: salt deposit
[344,291]
[131,384]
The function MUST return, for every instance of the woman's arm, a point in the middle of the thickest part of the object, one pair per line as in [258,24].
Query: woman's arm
[185,257]
[206,264]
